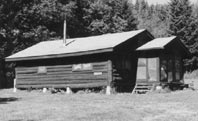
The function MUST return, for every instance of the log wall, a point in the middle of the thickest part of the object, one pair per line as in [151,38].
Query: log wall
[62,76]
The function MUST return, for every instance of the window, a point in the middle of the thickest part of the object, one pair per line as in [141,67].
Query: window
[77,67]
[147,69]
[82,67]
[152,69]
[141,69]
[87,66]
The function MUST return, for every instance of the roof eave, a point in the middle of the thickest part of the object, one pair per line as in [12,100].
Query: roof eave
[59,55]
[154,48]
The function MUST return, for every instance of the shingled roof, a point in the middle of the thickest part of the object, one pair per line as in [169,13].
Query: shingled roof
[74,47]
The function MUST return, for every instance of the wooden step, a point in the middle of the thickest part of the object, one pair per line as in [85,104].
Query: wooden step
[141,88]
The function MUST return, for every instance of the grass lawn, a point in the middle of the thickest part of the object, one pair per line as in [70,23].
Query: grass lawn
[38,106]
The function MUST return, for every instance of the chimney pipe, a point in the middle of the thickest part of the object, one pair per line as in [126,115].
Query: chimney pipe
[64,33]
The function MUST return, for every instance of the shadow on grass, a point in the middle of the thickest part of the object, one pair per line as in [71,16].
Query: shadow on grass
[21,120]
[8,99]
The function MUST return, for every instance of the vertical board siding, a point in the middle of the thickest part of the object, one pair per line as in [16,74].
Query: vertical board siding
[61,76]
[2,76]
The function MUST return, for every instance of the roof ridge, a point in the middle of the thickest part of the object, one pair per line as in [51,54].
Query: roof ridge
[141,30]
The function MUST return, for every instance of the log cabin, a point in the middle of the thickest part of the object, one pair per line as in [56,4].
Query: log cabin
[109,60]
[97,61]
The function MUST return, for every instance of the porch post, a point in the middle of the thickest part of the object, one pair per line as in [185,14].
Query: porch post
[68,90]
[15,79]
[15,89]
[44,90]
[174,69]
[158,70]
[181,70]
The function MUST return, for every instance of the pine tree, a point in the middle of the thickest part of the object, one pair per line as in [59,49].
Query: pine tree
[183,24]
[181,21]
[110,16]
[152,18]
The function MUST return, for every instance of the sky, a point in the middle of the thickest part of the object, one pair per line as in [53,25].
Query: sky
[164,1]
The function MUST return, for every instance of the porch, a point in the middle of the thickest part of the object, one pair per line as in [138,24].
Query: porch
[161,63]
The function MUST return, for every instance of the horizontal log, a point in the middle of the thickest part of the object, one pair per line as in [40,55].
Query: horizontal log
[99,66]
[36,82]
[56,79]
[69,76]
[65,72]
[36,67]
[79,71]
[48,70]
[59,71]
[55,67]
[88,85]
[95,64]
[26,72]
[61,74]
[63,78]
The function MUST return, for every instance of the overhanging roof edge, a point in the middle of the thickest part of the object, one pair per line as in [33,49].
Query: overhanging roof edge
[60,55]
[162,42]
[156,48]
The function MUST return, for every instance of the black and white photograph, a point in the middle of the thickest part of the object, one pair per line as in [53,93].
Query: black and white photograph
[98,60]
